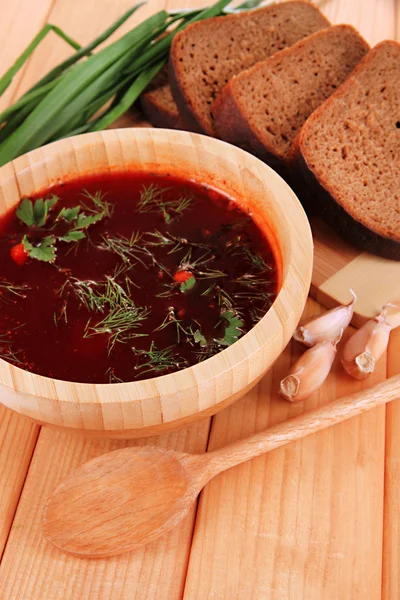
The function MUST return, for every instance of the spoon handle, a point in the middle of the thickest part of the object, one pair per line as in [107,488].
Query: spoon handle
[299,427]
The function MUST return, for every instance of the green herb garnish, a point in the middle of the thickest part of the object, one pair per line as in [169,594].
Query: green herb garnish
[187,285]
[8,289]
[159,360]
[34,214]
[233,330]
[44,249]
[152,201]
[87,92]
[172,319]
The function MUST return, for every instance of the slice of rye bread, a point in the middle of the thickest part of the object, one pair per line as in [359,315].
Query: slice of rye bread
[158,104]
[263,108]
[348,152]
[207,54]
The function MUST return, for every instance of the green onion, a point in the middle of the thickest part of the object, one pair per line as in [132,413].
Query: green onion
[12,71]
[68,99]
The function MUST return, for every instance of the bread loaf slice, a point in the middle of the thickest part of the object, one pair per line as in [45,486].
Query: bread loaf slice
[158,104]
[349,153]
[207,54]
[263,108]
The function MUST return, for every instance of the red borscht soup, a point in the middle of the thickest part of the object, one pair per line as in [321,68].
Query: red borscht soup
[124,277]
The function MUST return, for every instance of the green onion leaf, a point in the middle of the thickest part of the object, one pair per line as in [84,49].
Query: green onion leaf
[21,60]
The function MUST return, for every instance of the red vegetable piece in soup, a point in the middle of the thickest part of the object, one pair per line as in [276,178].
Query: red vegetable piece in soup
[124,277]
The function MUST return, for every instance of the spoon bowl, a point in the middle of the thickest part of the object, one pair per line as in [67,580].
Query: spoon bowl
[135,493]
[130,497]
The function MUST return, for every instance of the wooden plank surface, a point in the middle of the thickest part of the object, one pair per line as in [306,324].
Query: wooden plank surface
[19,22]
[32,569]
[304,523]
[337,265]
[391,522]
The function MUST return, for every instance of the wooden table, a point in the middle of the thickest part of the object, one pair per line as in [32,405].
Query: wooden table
[318,520]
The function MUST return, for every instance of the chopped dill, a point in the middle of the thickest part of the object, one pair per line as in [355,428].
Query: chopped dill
[225,300]
[123,315]
[151,201]
[107,297]
[112,377]
[8,353]
[159,360]
[256,260]
[127,248]
[210,274]
[8,290]
[167,239]
[250,280]
[99,203]
[172,319]
[210,289]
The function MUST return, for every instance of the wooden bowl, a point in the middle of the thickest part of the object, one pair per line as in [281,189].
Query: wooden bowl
[153,406]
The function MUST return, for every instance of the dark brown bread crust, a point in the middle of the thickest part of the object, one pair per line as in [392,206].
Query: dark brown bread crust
[159,106]
[159,114]
[244,111]
[321,195]
[232,121]
[183,104]
[341,222]
[196,82]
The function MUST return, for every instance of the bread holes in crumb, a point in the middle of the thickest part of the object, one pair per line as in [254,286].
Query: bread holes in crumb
[397,124]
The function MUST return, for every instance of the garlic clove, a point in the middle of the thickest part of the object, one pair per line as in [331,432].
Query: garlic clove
[366,346]
[393,318]
[326,327]
[309,372]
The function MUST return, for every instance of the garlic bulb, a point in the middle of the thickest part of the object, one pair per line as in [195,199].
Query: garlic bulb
[326,327]
[309,372]
[363,350]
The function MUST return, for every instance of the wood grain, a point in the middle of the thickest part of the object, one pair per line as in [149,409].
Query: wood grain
[309,530]
[146,406]
[32,569]
[18,24]
[391,521]
[17,442]
[302,522]
[337,265]
[125,499]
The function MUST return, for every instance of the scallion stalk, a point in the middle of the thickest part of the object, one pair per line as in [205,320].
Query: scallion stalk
[68,99]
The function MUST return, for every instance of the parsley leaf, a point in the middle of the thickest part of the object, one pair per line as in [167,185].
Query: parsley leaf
[35,214]
[24,212]
[68,214]
[72,236]
[45,250]
[83,221]
[188,284]
[199,338]
[233,330]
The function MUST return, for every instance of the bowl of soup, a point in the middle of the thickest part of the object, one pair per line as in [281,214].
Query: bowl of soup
[148,279]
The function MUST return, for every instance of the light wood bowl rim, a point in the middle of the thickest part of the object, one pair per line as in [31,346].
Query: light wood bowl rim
[217,365]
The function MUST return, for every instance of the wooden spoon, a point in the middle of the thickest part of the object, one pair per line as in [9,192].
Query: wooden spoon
[126,498]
